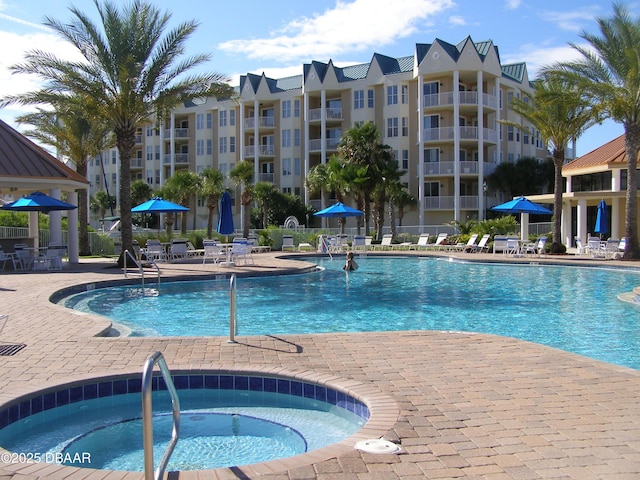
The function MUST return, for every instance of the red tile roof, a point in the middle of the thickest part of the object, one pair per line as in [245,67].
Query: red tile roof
[21,159]
[609,155]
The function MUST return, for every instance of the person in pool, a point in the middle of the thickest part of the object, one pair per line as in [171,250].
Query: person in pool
[350,264]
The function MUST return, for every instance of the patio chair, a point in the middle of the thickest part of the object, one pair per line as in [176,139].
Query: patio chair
[24,257]
[595,248]
[581,249]
[287,243]
[499,244]
[241,249]
[423,241]
[155,251]
[385,243]
[537,247]
[7,257]
[211,251]
[359,244]
[439,243]
[611,248]
[179,250]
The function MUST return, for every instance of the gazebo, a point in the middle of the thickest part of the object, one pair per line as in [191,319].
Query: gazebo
[26,167]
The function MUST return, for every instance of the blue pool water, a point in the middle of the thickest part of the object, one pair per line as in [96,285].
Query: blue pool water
[219,427]
[571,308]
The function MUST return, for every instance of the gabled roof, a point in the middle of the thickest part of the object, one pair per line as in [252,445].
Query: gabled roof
[515,71]
[390,65]
[27,166]
[482,48]
[610,155]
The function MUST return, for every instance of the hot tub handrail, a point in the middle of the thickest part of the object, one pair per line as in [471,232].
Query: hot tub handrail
[147,416]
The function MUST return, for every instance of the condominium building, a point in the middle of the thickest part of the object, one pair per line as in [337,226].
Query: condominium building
[440,110]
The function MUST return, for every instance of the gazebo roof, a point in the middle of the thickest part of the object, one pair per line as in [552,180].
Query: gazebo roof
[25,166]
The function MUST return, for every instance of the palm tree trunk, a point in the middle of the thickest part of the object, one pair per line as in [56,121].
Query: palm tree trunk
[125,141]
[558,161]
[632,147]
[83,233]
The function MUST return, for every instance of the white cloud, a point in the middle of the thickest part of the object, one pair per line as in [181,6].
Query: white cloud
[457,20]
[513,4]
[359,25]
[538,56]
[574,20]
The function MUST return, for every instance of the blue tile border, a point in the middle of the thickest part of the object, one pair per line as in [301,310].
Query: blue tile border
[240,382]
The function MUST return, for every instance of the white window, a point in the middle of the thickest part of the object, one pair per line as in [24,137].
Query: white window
[286,167]
[431,189]
[405,159]
[431,155]
[223,118]
[392,95]
[232,144]
[296,166]
[370,96]
[209,146]
[232,117]
[405,94]
[199,121]
[157,152]
[296,108]
[392,127]
[223,144]
[405,126]
[286,109]
[286,138]
[199,147]
[296,137]
[149,153]
[358,99]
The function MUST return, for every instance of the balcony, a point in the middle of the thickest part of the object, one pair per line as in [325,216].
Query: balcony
[180,159]
[466,168]
[138,139]
[177,132]
[136,163]
[263,122]
[266,177]
[331,114]
[464,133]
[331,144]
[445,99]
[263,151]
[467,202]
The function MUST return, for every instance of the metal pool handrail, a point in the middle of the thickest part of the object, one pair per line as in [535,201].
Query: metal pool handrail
[147,416]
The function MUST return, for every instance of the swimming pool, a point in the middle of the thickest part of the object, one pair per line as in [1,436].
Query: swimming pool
[227,419]
[575,309]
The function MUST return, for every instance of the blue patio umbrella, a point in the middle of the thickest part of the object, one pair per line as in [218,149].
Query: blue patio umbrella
[521,205]
[602,218]
[158,205]
[225,215]
[38,202]
[339,210]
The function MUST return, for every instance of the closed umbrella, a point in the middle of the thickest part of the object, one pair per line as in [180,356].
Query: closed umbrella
[602,219]
[225,216]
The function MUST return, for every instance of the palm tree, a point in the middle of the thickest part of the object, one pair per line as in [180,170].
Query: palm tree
[562,114]
[183,186]
[132,72]
[211,188]
[242,175]
[265,193]
[608,73]
[328,177]
[73,134]
[390,177]
[100,202]
[400,197]
[359,146]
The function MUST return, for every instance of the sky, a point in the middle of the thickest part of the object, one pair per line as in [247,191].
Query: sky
[277,36]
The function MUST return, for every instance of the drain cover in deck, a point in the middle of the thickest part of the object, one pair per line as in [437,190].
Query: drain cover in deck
[9,350]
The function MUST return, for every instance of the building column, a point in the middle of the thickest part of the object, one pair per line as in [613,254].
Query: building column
[307,166]
[172,144]
[481,206]
[323,126]
[617,206]
[456,146]
[55,219]
[582,220]
[420,151]
[565,223]
[73,241]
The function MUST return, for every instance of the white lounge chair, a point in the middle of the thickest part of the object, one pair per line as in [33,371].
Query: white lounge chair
[179,250]
[537,247]
[423,241]
[385,243]
[439,243]
[241,250]
[359,244]
[581,249]
[482,244]
[471,243]
[155,251]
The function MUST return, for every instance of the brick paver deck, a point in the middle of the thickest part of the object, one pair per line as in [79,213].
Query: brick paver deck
[460,405]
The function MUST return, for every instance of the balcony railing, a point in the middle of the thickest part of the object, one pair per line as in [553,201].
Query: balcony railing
[266,177]
[177,132]
[179,159]
[467,202]
[466,168]
[331,114]
[136,163]
[465,133]
[263,122]
[263,151]
[445,99]
[315,145]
